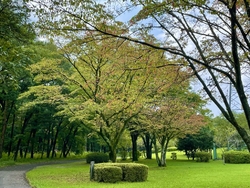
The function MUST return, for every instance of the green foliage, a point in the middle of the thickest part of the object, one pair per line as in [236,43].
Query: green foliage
[131,172]
[203,141]
[124,154]
[97,157]
[107,174]
[202,156]
[229,137]
[237,157]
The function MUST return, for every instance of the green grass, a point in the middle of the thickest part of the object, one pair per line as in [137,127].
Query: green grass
[177,174]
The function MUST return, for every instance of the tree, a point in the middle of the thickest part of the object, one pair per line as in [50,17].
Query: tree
[172,118]
[15,33]
[33,131]
[209,38]
[103,88]
[202,140]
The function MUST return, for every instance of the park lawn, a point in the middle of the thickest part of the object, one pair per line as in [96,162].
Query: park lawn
[177,174]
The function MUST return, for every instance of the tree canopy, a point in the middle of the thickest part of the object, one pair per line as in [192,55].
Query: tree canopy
[210,39]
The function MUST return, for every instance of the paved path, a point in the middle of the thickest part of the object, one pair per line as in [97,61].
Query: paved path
[14,176]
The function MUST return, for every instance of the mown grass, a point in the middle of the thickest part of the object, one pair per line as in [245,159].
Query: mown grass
[177,174]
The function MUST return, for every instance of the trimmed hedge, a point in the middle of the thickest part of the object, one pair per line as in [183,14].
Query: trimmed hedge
[202,156]
[107,174]
[97,157]
[131,172]
[237,157]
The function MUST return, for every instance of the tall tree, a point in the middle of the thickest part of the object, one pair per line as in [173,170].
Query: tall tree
[15,32]
[210,38]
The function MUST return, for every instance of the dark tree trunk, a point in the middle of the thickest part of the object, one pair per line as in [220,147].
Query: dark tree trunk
[28,144]
[134,136]
[11,135]
[32,143]
[4,126]
[48,142]
[54,144]
[148,145]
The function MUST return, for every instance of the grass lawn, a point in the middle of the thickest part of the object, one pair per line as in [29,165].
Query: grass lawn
[178,174]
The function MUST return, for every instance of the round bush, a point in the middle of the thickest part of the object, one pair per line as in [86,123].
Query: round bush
[237,157]
[97,157]
[202,156]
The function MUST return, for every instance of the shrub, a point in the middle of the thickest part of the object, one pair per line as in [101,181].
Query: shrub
[237,157]
[107,174]
[131,172]
[202,156]
[97,157]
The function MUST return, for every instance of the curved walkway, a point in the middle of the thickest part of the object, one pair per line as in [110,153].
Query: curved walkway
[15,176]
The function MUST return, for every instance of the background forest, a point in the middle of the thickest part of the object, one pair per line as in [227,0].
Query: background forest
[87,76]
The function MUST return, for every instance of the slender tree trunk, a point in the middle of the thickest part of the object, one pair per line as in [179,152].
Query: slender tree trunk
[32,144]
[156,152]
[42,147]
[11,135]
[28,144]
[55,138]
[4,126]
[70,143]
[54,144]
[48,142]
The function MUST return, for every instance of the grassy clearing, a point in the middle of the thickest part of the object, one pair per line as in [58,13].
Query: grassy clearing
[177,174]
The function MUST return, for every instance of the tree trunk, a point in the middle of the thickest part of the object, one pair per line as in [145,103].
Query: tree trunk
[161,161]
[48,148]
[55,139]
[163,158]
[11,135]
[156,153]
[112,154]
[28,144]
[4,126]
[134,136]
[244,135]
[54,144]
[32,144]
[148,145]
